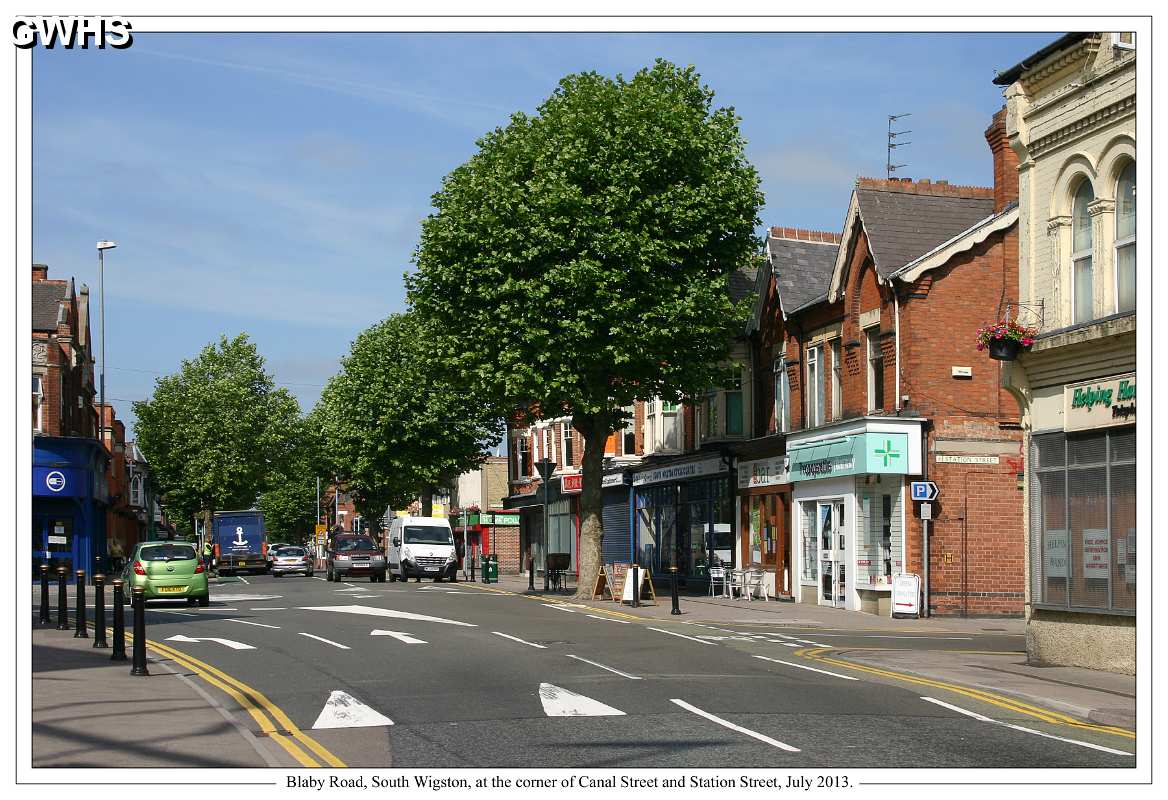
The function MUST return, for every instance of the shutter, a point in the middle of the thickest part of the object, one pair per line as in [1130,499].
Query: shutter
[616,545]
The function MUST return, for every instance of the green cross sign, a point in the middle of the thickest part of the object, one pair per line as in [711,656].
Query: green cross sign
[887,452]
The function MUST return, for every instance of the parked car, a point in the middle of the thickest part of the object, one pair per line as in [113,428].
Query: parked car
[354,554]
[168,571]
[288,560]
[272,548]
[421,547]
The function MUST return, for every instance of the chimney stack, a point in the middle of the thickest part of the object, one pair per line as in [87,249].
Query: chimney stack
[1005,162]
[40,272]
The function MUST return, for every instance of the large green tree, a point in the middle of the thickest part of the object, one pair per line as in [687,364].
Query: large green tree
[580,259]
[289,497]
[217,432]
[394,424]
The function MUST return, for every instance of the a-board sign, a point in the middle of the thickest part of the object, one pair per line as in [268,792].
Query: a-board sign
[604,584]
[906,594]
[645,590]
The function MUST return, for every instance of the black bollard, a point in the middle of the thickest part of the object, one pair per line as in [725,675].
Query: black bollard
[62,601]
[46,615]
[99,611]
[636,573]
[82,630]
[119,653]
[530,573]
[139,602]
[472,567]
[673,579]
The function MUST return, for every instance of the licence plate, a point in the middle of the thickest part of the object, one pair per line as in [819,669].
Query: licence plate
[171,589]
[431,569]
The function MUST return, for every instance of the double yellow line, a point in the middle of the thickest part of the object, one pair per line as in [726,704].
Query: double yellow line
[554,601]
[1017,706]
[262,710]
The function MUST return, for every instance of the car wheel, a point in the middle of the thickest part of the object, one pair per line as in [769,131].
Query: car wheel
[205,601]
[192,600]
[309,573]
[417,580]
[373,579]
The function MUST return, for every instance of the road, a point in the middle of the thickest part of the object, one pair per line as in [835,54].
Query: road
[462,675]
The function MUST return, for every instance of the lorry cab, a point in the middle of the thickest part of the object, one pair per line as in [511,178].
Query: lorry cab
[420,547]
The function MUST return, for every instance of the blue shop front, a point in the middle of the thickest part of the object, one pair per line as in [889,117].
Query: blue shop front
[69,499]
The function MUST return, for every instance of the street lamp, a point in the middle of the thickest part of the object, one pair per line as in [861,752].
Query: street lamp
[545,467]
[102,246]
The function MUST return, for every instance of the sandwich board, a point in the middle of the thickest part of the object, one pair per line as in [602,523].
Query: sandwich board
[906,595]
[645,581]
[604,584]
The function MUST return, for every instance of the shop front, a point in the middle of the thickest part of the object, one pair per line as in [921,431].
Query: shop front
[69,499]
[764,499]
[480,532]
[684,517]
[849,505]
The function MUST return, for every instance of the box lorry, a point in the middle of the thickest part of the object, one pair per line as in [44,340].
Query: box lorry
[240,541]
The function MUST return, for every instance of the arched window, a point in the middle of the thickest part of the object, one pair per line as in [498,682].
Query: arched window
[136,491]
[1125,239]
[1082,286]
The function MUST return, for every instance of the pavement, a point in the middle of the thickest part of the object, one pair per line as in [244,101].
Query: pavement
[301,671]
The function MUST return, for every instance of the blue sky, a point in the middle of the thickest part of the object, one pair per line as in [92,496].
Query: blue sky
[274,184]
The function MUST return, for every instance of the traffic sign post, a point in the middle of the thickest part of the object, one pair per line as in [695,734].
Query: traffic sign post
[924,490]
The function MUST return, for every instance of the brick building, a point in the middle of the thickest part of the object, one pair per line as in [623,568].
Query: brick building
[480,523]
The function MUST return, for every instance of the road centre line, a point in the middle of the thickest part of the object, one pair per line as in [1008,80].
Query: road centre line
[812,669]
[559,608]
[257,624]
[1004,724]
[517,639]
[319,579]
[683,636]
[326,641]
[883,636]
[167,611]
[727,724]
[610,669]
[269,608]
[609,619]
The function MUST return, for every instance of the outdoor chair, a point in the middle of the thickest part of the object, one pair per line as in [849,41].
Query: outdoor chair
[756,580]
[718,576]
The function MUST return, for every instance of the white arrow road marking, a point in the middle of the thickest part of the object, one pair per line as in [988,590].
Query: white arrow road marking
[404,637]
[387,612]
[811,669]
[610,669]
[560,702]
[257,624]
[683,636]
[981,718]
[225,642]
[345,711]
[727,724]
[326,641]
[517,639]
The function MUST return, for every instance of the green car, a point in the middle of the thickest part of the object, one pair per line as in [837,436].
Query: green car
[167,571]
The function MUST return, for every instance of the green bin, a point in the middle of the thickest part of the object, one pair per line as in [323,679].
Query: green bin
[491,569]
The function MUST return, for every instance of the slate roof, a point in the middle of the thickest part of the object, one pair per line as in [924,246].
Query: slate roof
[1008,76]
[901,225]
[742,282]
[46,300]
[803,269]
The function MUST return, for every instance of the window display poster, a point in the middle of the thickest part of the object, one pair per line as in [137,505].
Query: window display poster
[1056,552]
[1096,553]
[1130,570]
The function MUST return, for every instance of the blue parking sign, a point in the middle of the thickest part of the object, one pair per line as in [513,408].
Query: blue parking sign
[924,490]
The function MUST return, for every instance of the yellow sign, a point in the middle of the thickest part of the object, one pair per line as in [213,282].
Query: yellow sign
[321,529]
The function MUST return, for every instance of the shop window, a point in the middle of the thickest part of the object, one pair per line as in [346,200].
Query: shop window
[1083,520]
[809,552]
[1082,255]
[566,446]
[522,456]
[1125,240]
[837,383]
[733,395]
[814,394]
[875,371]
[782,397]
[38,402]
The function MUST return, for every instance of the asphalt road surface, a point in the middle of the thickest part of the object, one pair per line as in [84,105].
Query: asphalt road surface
[473,676]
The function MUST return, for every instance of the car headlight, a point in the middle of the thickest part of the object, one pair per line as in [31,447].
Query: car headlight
[378,558]
[342,558]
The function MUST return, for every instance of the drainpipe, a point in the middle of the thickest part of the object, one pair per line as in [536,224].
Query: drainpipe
[925,522]
[896,306]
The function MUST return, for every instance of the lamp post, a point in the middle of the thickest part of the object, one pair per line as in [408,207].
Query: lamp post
[102,246]
[545,467]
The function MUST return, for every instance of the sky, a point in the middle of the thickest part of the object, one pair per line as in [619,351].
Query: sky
[274,184]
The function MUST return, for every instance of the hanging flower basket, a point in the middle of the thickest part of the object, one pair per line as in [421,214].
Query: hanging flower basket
[1005,339]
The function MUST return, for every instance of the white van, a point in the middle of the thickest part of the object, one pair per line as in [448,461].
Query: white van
[420,547]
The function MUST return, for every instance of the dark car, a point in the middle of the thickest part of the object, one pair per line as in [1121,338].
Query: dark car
[354,555]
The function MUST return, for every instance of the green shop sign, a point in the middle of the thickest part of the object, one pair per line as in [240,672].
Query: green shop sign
[858,454]
[1101,403]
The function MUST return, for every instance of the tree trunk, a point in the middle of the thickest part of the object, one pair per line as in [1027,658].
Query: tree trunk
[427,500]
[594,430]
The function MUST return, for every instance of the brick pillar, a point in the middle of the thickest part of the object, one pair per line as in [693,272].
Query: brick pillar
[1005,162]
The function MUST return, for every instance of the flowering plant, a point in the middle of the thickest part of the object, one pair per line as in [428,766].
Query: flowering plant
[1005,329]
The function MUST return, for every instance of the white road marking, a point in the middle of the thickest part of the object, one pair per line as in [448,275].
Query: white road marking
[353,589]
[610,669]
[387,612]
[319,579]
[517,639]
[326,641]
[789,644]
[804,666]
[887,636]
[245,580]
[257,624]
[1012,726]
[560,702]
[345,711]
[351,585]
[245,598]
[683,636]
[733,727]
[269,608]
[180,613]
[403,637]
[364,596]
[225,642]
[559,608]
[711,627]
[609,619]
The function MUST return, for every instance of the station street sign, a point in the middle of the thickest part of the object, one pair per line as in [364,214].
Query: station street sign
[924,490]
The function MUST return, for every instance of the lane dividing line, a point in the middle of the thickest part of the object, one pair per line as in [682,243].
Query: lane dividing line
[269,608]
[609,619]
[319,579]
[517,639]
[610,669]
[559,608]
[727,724]
[683,636]
[245,580]
[1012,726]
[812,669]
[180,613]
[257,624]
[326,641]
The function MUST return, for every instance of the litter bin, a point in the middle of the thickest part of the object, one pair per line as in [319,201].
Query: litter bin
[491,569]
[485,567]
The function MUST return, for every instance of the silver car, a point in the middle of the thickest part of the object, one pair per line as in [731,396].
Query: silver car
[290,560]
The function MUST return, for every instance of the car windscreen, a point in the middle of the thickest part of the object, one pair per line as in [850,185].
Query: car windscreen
[290,551]
[164,552]
[353,543]
[427,534]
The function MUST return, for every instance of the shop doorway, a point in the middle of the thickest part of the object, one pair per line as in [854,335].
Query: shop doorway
[52,543]
[834,546]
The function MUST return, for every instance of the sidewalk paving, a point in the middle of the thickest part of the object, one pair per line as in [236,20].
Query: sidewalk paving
[91,712]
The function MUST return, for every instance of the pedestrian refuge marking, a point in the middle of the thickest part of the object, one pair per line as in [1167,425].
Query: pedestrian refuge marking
[727,724]
[402,637]
[560,702]
[387,612]
[257,624]
[610,669]
[225,642]
[337,645]
[343,710]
